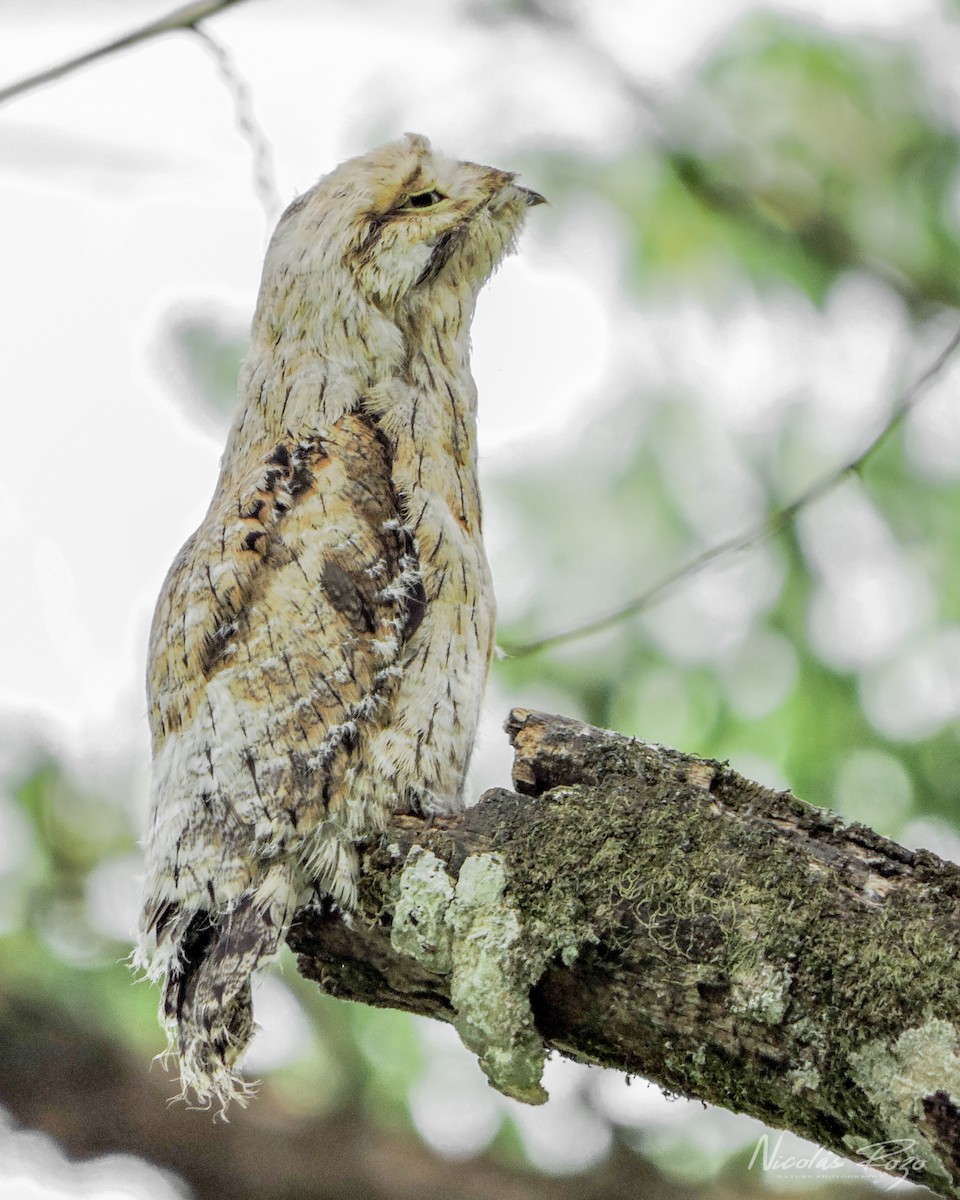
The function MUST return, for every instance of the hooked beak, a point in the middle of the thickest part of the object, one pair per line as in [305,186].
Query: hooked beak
[533,198]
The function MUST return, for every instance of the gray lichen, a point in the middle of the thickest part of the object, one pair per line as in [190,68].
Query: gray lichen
[471,931]
[761,992]
[921,1063]
[494,966]
[420,927]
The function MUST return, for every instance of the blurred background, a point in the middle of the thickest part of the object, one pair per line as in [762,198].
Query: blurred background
[752,251]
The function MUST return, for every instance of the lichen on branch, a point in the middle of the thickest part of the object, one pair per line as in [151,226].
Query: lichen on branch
[643,909]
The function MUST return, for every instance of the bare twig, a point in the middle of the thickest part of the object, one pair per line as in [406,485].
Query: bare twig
[187,17]
[752,537]
[264,178]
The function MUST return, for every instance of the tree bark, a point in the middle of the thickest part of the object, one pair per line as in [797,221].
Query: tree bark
[647,910]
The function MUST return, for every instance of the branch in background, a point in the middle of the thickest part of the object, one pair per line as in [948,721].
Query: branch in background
[655,912]
[186,17]
[96,1097]
[752,537]
[264,177]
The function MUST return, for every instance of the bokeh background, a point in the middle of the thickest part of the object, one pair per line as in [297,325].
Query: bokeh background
[751,253]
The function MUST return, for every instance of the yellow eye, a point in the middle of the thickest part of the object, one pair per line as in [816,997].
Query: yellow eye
[424,199]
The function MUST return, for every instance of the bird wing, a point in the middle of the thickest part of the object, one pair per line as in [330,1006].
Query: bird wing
[276,640]
[275,651]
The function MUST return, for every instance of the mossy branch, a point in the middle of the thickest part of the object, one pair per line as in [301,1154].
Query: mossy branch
[655,912]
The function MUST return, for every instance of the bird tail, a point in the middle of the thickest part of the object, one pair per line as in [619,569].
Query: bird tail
[206,1002]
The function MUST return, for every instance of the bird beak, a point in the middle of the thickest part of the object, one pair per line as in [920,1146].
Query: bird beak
[533,198]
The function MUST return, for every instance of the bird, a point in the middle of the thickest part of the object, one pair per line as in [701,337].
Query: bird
[321,643]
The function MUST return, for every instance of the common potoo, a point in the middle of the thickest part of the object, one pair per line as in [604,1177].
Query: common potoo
[321,643]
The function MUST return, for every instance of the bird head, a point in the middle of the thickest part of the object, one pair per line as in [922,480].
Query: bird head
[401,223]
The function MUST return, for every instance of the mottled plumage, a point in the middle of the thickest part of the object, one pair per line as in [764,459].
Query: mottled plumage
[321,643]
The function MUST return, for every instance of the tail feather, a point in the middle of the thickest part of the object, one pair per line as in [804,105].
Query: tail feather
[206,1001]
[207,998]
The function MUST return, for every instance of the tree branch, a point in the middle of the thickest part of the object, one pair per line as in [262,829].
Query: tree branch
[188,16]
[651,911]
[760,533]
[58,1074]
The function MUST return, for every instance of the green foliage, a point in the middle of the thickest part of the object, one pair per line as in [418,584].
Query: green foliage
[794,156]
[200,355]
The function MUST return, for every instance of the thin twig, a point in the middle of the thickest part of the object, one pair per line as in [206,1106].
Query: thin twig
[264,177]
[186,17]
[760,533]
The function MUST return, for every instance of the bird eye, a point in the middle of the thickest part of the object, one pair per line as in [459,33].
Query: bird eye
[424,199]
